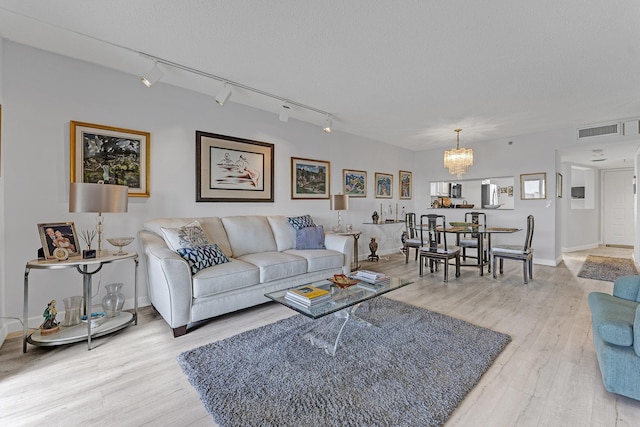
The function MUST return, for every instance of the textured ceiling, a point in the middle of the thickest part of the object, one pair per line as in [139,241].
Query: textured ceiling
[403,72]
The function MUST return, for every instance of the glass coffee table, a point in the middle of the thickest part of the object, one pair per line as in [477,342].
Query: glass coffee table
[341,306]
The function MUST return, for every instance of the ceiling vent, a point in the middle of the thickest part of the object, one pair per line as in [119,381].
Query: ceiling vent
[600,130]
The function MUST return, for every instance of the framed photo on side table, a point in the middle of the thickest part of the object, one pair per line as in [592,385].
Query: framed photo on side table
[56,235]
[310,178]
[406,185]
[111,155]
[354,182]
[230,169]
[384,185]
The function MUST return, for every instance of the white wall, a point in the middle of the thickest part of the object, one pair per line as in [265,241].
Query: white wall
[43,92]
[3,278]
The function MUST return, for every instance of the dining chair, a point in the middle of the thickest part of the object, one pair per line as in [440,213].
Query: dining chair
[470,241]
[434,245]
[518,253]
[412,237]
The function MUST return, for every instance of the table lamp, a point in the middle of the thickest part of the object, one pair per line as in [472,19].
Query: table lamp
[339,202]
[92,197]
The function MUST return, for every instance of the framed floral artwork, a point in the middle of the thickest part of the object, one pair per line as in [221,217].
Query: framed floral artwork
[111,155]
[354,183]
[309,178]
[230,169]
[406,185]
[384,185]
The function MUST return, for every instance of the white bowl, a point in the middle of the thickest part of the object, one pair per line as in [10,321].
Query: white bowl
[120,241]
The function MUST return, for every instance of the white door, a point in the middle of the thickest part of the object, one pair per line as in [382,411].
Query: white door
[617,198]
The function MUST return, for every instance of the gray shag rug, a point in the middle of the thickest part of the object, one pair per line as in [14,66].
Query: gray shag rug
[607,268]
[412,367]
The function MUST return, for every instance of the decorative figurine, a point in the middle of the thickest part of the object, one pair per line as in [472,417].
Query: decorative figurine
[373,247]
[375,217]
[50,326]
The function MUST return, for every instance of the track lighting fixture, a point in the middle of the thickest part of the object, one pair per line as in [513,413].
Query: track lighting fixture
[327,125]
[223,95]
[284,112]
[152,76]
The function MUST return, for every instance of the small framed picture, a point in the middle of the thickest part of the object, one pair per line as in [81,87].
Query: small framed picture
[406,185]
[54,235]
[384,185]
[559,185]
[309,178]
[355,183]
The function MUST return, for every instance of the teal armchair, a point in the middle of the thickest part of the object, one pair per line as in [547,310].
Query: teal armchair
[616,335]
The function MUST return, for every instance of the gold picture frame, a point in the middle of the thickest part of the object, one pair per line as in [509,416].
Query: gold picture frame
[384,185]
[533,186]
[354,182]
[310,179]
[405,181]
[112,155]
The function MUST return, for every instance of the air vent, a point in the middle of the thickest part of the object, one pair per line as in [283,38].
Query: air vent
[607,129]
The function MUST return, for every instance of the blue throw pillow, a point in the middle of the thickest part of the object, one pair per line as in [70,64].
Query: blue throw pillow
[310,238]
[300,222]
[200,257]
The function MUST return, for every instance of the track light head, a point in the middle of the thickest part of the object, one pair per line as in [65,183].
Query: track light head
[223,95]
[327,125]
[152,76]
[284,112]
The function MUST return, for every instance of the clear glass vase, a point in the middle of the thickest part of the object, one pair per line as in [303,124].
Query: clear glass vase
[113,302]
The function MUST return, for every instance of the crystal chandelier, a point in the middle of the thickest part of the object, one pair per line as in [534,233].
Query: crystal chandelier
[459,159]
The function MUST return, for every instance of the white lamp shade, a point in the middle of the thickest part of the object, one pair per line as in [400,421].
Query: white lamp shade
[89,197]
[339,202]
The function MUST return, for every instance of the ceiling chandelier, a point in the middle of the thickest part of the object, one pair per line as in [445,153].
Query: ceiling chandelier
[459,159]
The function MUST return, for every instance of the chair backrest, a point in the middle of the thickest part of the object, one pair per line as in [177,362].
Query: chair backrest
[479,218]
[432,230]
[410,225]
[529,237]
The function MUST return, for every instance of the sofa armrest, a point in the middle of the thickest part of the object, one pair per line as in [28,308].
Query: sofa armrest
[168,280]
[343,244]
[627,287]
[636,333]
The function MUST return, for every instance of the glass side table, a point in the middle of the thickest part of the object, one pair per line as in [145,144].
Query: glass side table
[87,268]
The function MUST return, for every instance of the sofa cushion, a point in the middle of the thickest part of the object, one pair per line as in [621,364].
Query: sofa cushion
[276,265]
[212,226]
[613,318]
[188,236]
[319,259]
[310,238]
[283,232]
[249,234]
[299,222]
[232,275]
[204,256]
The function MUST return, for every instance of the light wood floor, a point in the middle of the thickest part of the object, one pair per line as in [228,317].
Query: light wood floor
[547,376]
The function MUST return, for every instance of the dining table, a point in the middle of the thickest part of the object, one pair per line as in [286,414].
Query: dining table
[479,233]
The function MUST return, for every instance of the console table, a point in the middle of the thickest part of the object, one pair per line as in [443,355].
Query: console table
[87,268]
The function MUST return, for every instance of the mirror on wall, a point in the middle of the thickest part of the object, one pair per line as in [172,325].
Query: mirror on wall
[486,193]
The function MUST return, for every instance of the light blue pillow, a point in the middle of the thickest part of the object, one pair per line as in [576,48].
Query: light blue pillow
[310,238]
[300,222]
[200,257]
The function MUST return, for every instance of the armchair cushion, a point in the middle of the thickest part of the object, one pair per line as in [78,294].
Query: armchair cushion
[613,318]
[627,287]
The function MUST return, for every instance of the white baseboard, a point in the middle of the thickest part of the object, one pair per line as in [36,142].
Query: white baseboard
[581,248]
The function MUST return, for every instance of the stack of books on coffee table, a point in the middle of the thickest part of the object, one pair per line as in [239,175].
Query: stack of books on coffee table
[308,296]
[370,279]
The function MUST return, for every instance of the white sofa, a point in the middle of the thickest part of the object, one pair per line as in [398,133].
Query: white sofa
[263,258]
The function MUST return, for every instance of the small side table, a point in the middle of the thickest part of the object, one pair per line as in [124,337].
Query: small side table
[356,235]
[80,332]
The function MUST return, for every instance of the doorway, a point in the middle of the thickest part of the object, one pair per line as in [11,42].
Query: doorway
[618,221]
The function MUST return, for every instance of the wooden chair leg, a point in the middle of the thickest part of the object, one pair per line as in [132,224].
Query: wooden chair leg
[421,265]
[446,271]
[501,265]
[524,271]
[458,266]
[494,268]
